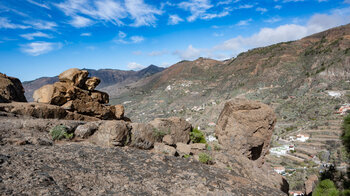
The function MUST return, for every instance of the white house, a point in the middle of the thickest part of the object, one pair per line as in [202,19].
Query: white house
[302,137]
[280,169]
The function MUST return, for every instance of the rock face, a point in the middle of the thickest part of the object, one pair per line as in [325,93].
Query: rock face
[112,133]
[177,128]
[245,127]
[310,184]
[11,89]
[76,92]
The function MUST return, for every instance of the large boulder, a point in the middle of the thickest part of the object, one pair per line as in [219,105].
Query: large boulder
[93,109]
[11,89]
[245,127]
[143,136]
[74,76]
[112,133]
[91,83]
[178,128]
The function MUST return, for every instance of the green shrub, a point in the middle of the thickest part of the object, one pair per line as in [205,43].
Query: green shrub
[158,134]
[187,156]
[325,188]
[197,136]
[59,132]
[205,158]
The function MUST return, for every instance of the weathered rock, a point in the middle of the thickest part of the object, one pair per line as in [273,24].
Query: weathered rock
[168,140]
[118,111]
[40,110]
[93,109]
[91,83]
[100,97]
[183,149]
[143,136]
[178,128]
[310,184]
[11,89]
[245,127]
[164,149]
[86,130]
[74,76]
[198,146]
[112,133]
[68,106]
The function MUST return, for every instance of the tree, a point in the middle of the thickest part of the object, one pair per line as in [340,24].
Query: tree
[325,188]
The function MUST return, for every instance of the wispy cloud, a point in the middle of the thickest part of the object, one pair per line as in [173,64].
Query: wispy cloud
[31,36]
[79,22]
[157,53]
[141,13]
[244,22]
[278,7]
[85,34]
[7,24]
[245,6]
[198,8]
[273,20]
[261,10]
[174,19]
[39,48]
[39,4]
[135,66]
[122,38]
[41,24]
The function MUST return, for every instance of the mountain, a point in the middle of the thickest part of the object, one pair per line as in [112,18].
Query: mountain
[305,81]
[108,77]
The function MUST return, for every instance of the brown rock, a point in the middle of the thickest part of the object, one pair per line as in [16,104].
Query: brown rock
[93,109]
[164,149]
[168,140]
[112,133]
[178,128]
[183,149]
[11,89]
[100,97]
[118,111]
[198,146]
[310,184]
[74,76]
[68,106]
[91,83]
[143,136]
[245,127]
[86,130]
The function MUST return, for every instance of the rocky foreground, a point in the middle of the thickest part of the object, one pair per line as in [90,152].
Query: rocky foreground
[96,156]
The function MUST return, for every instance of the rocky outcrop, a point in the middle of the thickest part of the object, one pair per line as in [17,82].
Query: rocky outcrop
[112,133]
[245,127]
[178,128]
[75,91]
[310,184]
[11,89]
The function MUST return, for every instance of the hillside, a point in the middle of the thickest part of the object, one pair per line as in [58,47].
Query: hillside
[304,81]
[108,77]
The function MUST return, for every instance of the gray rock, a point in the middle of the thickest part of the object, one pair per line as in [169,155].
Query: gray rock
[86,130]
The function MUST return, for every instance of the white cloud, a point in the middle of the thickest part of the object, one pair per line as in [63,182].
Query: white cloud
[86,34]
[135,66]
[121,34]
[6,24]
[174,19]
[41,24]
[39,4]
[136,39]
[31,36]
[244,22]
[143,14]
[189,54]
[261,10]
[273,20]
[219,15]
[137,52]
[246,6]
[39,48]
[157,53]
[198,8]
[218,34]
[347,1]
[79,22]
[278,7]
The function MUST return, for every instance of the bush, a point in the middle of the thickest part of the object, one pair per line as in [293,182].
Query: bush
[158,134]
[197,136]
[325,188]
[59,132]
[205,158]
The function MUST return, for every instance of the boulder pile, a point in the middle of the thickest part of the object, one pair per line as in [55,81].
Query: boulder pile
[75,92]
[11,89]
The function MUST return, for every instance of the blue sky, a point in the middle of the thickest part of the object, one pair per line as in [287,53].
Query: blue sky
[43,38]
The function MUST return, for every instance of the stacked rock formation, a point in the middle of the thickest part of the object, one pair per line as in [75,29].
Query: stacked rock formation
[76,92]
[11,89]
